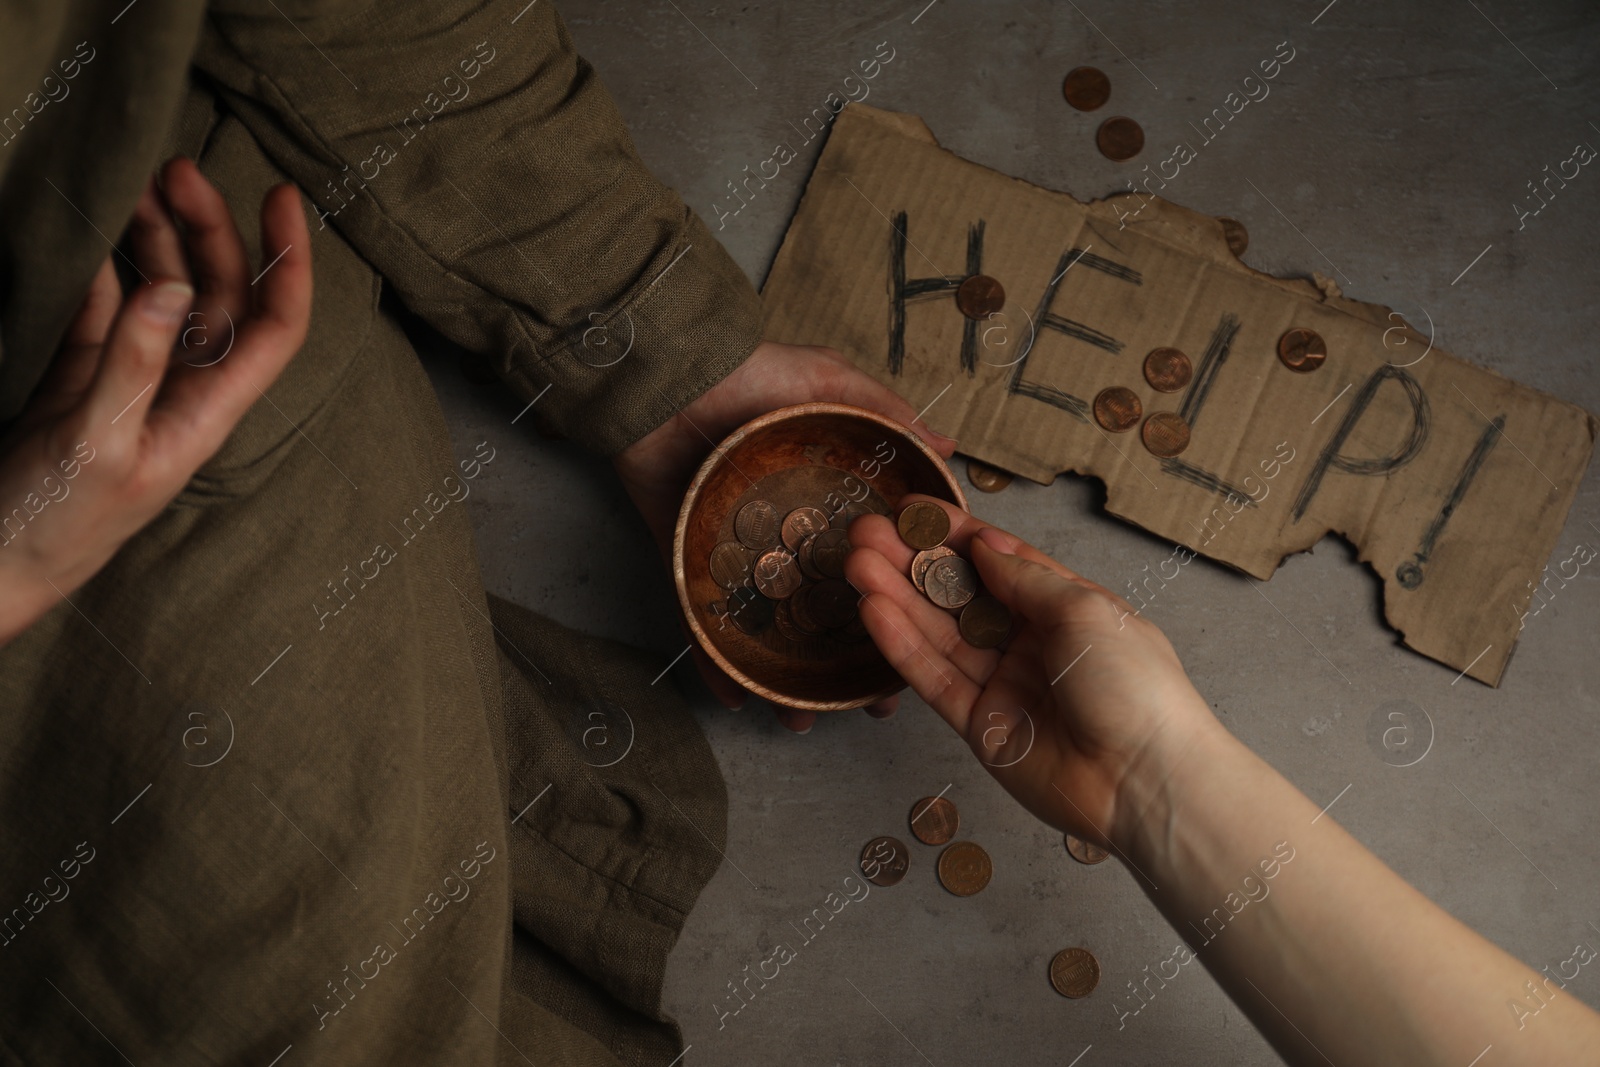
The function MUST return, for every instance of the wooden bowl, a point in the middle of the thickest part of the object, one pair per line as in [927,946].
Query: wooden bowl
[835,458]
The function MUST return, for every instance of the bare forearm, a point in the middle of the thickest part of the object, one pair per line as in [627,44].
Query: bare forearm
[1329,952]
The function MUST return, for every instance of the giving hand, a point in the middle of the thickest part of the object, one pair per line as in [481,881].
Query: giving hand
[1065,716]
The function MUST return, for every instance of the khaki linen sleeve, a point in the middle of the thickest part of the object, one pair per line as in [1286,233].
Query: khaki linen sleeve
[468,153]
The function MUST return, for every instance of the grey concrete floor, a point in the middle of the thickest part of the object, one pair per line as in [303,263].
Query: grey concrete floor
[1395,145]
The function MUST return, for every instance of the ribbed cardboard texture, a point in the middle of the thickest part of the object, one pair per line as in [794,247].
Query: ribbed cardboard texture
[1452,481]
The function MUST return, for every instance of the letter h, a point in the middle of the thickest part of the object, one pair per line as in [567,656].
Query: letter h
[903,290]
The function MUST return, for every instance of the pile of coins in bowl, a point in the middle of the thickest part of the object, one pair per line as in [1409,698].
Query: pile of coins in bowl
[964,869]
[948,580]
[784,573]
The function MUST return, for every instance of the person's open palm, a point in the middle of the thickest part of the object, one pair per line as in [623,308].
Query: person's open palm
[1061,714]
[124,418]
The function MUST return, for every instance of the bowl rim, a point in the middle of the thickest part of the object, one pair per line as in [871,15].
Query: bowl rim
[680,579]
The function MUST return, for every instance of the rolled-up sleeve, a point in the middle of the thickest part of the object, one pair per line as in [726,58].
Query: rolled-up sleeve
[476,161]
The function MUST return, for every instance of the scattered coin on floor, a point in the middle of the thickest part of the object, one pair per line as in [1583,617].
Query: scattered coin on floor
[985,622]
[1085,851]
[1117,409]
[924,525]
[1086,88]
[777,574]
[1167,370]
[730,565]
[756,525]
[922,561]
[934,820]
[884,861]
[985,478]
[964,868]
[1237,236]
[1119,139]
[1302,350]
[950,583]
[1074,972]
[800,524]
[1165,434]
[980,296]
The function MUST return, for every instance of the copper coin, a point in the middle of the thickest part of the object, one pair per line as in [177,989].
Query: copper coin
[1302,349]
[1119,139]
[985,622]
[964,868]
[1167,370]
[800,611]
[934,820]
[756,525]
[1086,88]
[829,551]
[730,565]
[922,561]
[777,574]
[800,524]
[924,525]
[1085,851]
[848,514]
[985,478]
[1117,409]
[783,622]
[832,603]
[853,631]
[884,861]
[751,613]
[980,296]
[805,555]
[950,583]
[1165,434]
[1235,234]
[1074,972]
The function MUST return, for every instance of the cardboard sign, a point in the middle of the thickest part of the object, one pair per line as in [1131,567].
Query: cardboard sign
[1452,481]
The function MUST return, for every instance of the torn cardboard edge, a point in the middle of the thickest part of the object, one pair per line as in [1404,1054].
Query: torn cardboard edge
[1411,462]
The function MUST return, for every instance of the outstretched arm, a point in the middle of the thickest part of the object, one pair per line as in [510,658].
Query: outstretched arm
[1332,955]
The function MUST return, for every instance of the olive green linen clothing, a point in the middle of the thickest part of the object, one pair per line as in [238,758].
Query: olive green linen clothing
[287,812]
[282,776]
[463,148]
